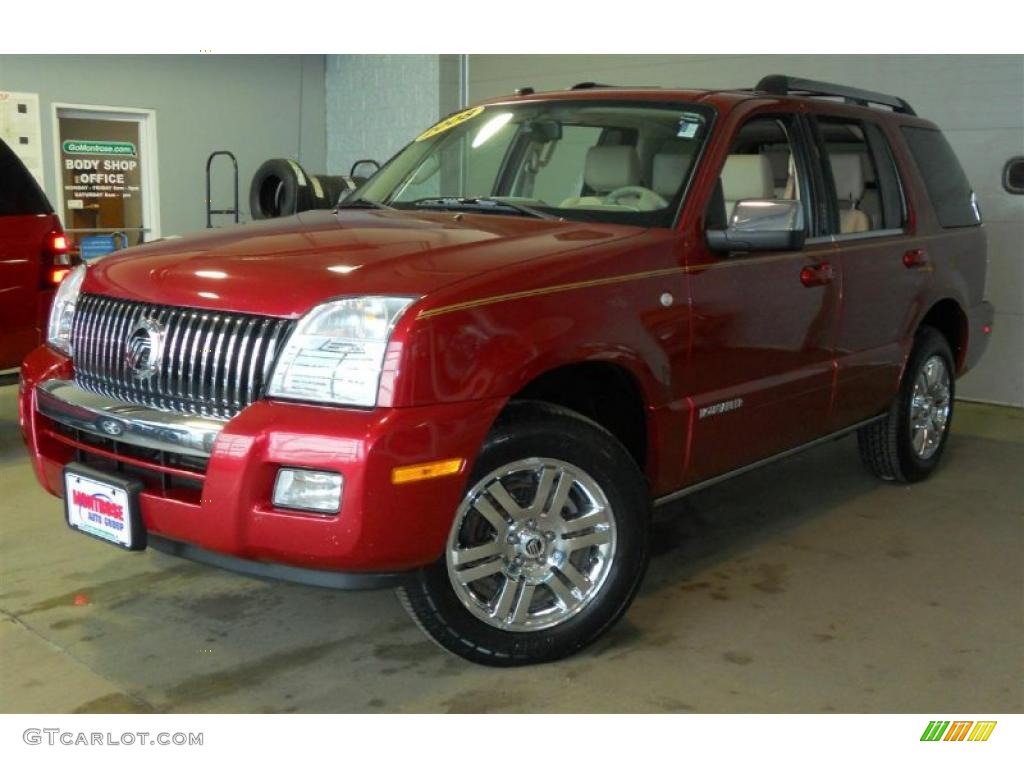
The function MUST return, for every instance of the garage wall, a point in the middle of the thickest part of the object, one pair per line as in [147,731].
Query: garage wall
[256,106]
[377,104]
[977,100]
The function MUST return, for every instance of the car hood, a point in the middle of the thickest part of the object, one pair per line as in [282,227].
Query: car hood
[283,267]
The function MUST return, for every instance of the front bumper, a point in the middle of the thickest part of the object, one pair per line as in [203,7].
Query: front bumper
[208,483]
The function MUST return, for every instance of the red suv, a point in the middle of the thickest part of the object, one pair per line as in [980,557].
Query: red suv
[34,260]
[548,313]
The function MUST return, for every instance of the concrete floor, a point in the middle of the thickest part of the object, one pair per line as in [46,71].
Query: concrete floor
[807,586]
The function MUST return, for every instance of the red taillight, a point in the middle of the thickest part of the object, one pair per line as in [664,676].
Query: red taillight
[57,259]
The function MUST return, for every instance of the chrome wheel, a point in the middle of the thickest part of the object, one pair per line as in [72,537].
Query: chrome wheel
[531,545]
[930,407]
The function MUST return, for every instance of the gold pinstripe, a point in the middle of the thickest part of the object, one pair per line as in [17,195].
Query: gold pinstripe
[551,289]
[502,297]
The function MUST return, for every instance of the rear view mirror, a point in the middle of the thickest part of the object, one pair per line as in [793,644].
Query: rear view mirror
[543,131]
[761,225]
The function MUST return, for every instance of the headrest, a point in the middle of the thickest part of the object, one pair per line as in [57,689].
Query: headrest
[779,161]
[668,172]
[609,168]
[848,173]
[868,167]
[747,177]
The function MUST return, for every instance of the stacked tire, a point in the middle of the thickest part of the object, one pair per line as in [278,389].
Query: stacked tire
[281,187]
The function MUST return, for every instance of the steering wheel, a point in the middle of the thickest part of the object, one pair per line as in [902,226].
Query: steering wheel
[641,198]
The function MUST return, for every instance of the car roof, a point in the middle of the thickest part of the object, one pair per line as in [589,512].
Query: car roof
[612,93]
[725,100]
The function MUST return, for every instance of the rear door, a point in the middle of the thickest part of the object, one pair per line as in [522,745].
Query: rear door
[884,269]
[26,219]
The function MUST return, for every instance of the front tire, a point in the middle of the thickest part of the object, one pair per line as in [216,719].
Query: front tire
[548,546]
[907,444]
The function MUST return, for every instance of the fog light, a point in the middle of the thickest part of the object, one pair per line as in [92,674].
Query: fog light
[308,489]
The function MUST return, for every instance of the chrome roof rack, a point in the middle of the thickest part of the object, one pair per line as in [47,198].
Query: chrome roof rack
[784,85]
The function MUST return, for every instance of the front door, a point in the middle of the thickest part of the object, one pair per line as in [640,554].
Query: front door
[764,324]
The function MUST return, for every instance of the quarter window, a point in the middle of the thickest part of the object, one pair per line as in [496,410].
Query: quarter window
[947,184]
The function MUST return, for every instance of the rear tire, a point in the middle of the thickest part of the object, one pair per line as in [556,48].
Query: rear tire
[907,444]
[548,546]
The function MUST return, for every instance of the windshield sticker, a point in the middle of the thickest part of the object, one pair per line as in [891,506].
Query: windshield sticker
[450,122]
[689,125]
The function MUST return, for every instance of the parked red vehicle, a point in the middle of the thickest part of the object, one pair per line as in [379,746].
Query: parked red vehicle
[34,259]
[474,378]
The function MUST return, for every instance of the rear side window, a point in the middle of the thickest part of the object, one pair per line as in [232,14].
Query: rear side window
[19,193]
[867,192]
[887,181]
[946,182]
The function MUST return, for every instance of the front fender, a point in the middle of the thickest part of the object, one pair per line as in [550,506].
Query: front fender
[496,350]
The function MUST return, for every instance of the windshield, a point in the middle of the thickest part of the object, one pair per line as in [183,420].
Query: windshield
[616,162]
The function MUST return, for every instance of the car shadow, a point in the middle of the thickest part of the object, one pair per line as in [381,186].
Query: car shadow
[694,534]
[12,444]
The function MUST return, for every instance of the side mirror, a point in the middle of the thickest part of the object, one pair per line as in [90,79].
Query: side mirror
[761,225]
[359,178]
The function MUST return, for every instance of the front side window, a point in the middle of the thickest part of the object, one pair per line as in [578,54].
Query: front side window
[763,164]
[616,162]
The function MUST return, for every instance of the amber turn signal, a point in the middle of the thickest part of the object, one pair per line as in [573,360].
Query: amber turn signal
[414,472]
[57,274]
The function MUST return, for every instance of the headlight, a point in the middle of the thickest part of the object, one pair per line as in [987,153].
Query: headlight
[337,350]
[62,313]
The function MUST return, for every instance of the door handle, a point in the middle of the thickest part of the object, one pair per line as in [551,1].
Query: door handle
[817,274]
[915,258]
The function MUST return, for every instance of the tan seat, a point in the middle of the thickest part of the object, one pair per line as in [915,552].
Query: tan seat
[779,158]
[870,201]
[746,177]
[605,170]
[668,169]
[848,174]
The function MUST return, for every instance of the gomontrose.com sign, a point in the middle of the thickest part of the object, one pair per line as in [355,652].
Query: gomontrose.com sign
[76,147]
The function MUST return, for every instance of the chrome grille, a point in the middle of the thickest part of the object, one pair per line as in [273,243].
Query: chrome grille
[211,364]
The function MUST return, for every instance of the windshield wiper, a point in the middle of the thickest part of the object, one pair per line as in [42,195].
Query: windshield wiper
[483,205]
[363,203]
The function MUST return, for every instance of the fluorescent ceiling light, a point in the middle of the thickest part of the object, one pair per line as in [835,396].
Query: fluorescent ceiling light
[491,127]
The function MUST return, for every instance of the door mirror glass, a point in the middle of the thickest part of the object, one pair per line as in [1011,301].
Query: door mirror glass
[761,225]
[363,170]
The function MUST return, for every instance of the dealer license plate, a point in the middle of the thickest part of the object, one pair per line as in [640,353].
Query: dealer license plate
[104,506]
